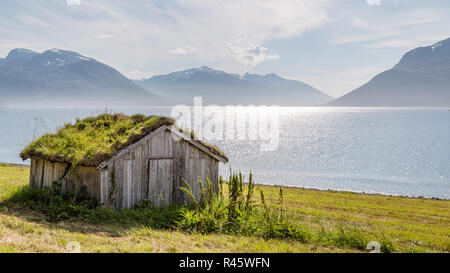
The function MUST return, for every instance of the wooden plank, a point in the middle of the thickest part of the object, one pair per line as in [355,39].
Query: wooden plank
[160,151]
[50,171]
[159,182]
[169,182]
[160,157]
[90,181]
[68,184]
[154,146]
[124,184]
[177,173]
[190,175]
[58,173]
[137,191]
[154,142]
[184,167]
[198,145]
[144,171]
[166,181]
[44,173]
[194,169]
[153,178]
[189,168]
[127,181]
[203,171]
[168,139]
[38,174]
[33,168]
[47,174]
[215,175]
[131,181]
[162,179]
[119,182]
[112,186]
[104,187]
[198,174]
[132,146]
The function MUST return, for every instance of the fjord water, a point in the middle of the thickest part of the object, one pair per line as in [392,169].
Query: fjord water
[399,151]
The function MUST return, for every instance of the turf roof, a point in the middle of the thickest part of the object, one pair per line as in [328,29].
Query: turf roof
[93,140]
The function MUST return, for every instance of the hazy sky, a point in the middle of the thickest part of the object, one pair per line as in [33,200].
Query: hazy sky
[335,45]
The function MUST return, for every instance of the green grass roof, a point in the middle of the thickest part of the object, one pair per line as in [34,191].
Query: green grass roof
[94,140]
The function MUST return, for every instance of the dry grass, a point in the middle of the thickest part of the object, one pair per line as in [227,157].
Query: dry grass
[413,225]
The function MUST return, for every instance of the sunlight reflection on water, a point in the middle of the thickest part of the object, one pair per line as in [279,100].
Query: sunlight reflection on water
[384,150]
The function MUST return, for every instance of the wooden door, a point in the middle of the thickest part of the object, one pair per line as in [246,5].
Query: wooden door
[161,167]
[160,187]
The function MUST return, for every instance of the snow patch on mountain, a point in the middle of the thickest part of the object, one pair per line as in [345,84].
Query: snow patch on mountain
[84,58]
[436,46]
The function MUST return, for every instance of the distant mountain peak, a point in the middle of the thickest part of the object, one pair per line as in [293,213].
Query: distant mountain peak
[195,73]
[23,50]
[208,70]
[60,73]
[20,52]
[421,78]
[220,87]
[204,69]
[57,58]
[430,58]
[436,46]
[55,50]
[268,78]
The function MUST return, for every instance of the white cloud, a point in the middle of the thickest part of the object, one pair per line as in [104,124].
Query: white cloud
[9,46]
[31,20]
[374,2]
[314,70]
[250,55]
[105,36]
[357,22]
[390,29]
[73,2]
[184,51]
[148,30]
[408,43]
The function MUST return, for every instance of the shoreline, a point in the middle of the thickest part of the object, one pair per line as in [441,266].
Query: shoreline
[301,188]
[353,192]
[14,165]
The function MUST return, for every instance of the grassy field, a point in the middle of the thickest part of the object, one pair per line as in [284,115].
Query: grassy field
[411,225]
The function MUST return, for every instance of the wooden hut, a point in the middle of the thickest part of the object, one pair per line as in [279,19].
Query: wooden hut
[151,168]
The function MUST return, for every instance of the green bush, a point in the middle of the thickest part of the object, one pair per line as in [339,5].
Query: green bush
[351,236]
[238,214]
[386,245]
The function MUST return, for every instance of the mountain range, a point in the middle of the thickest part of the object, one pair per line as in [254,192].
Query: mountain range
[59,77]
[218,87]
[62,77]
[420,79]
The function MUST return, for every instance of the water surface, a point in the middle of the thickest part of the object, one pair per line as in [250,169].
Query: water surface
[396,151]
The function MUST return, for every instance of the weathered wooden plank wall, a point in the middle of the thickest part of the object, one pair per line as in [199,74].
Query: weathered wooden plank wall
[44,173]
[152,170]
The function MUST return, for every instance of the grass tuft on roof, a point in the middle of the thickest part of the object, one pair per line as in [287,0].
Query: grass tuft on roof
[93,140]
